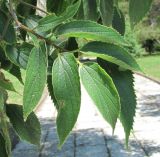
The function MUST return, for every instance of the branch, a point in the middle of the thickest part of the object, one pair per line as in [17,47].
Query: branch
[23,27]
[34,7]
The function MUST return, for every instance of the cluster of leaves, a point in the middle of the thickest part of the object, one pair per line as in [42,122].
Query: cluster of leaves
[50,49]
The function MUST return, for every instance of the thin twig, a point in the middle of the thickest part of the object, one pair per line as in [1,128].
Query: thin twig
[23,27]
[34,7]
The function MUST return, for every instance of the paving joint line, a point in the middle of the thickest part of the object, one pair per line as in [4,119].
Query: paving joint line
[75,144]
[141,145]
[43,145]
[105,140]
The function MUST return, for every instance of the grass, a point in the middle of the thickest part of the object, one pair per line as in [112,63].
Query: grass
[151,66]
[15,98]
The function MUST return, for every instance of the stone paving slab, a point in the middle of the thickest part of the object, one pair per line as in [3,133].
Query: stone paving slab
[92,136]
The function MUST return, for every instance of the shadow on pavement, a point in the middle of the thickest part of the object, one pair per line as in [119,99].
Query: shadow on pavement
[150,106]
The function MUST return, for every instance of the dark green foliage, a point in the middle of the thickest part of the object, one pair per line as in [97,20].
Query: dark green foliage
[107,11]
[51,50]
[25,11]
[50,90]
[90,30]
[36,77]
[123,80]
[138,9]
[28,130]
[2,147]
[102,90]
[66,87]
[118,22]
[58,6]
[111,53]
[90,10]
[52,21]
[19,54]
[7,31]
[15,71]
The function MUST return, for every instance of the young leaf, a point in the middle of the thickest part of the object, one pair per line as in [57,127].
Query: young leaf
[138,9]
[124,83]
[101,89]
[106,10]
[111,53]
[90,30]
[118,22]
[30,130]
[90,10]
[66,86]
[51,21]
[36,76]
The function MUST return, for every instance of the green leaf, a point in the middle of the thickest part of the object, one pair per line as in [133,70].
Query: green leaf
[19,55]
[3,97]
[15,71]
[118,22]
[51,21]
[51,92]
[80,13]
[90,10]
[116,3]
[32,23]
[7,31]
[106,10]
[4,62]
[124,83]
[71,44]
[90,30]
[111,53]
[24,10]
[102,90]
[6,84]
[66,86]
[30,130]
[3,151]
[59,6]
[36,76]
[8,66]
[138,9]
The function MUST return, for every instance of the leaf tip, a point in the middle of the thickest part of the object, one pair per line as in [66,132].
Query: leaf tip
[25,115]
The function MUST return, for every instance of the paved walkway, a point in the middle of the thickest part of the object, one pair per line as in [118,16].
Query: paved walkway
[92,136]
